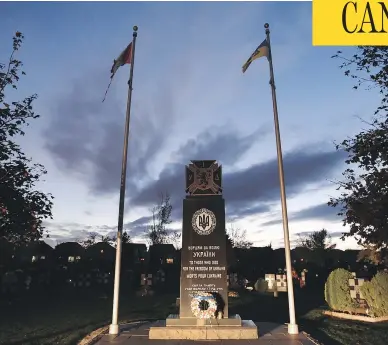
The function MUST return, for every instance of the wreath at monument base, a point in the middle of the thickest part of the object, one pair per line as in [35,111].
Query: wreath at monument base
[204,305]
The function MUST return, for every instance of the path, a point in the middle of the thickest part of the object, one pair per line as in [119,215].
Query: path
[269,334]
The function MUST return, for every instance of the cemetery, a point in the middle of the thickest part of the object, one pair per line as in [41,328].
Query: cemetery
[207,290]
[201,285]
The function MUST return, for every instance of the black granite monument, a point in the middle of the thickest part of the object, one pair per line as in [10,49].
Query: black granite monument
[204,266]
[203,310]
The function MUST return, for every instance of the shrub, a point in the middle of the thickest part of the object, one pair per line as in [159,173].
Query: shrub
[376,294]
[261,285]
[337,291]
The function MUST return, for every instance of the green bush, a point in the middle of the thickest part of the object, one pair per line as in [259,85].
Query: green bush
[376,294]
[261,285]
[337,291]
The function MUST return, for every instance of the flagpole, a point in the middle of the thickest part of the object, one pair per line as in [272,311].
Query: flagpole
[292,326]
[114,327]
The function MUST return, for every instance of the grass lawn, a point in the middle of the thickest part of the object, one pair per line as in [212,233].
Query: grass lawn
[335,331]
[328,331]
[65,319]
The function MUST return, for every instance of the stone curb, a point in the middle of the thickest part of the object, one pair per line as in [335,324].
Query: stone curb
[309,337]
[356,317]
[96,335]
[93,336]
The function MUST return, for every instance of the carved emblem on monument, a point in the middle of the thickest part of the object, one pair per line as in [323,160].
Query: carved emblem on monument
[203,178]
[204,221]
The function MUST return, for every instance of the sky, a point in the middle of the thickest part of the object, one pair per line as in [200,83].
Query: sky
[190,101]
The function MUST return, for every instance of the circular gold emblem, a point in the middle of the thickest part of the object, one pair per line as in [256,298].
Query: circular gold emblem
[203,221]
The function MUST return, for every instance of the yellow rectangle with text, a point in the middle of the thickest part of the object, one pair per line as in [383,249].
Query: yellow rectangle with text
[350,23]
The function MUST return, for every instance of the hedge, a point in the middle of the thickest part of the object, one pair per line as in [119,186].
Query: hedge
[376,294]
[261,285]
[337,291]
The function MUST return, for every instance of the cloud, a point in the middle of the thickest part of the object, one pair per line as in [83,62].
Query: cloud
[248,191]
[278,243]
[260,182]
[138,228]
[321,211]
[220,143]
[85,137]
[236,212]
[198,105]
[337,234]
[304,233]
[69,232]
[170,98]
[73,232]
[92,144]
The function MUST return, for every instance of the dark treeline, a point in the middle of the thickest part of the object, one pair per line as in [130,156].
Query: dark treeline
[70,265]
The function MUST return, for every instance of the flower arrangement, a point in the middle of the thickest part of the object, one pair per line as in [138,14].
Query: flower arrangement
[233,294]
[200,300]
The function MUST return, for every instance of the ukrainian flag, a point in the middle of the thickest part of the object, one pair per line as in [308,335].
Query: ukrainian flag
[261,50]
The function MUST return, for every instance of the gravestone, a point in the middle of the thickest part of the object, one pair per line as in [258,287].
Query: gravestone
[203,264]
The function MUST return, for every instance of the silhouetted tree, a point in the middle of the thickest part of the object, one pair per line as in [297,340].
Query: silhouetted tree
[175,238]
[317,240]
[319,245]
[161,216]
[94,237]
[230,255]
[22,207]
[238,237]
[364,195]
[89,240]
[372,254]
[112,240]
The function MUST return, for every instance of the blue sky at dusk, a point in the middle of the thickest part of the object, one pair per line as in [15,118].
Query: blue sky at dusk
[190,101]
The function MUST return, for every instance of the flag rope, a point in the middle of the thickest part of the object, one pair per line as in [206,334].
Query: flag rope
[106,92]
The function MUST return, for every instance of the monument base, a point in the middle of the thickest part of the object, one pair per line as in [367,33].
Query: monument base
[174,320]
[204,329]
